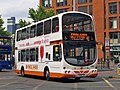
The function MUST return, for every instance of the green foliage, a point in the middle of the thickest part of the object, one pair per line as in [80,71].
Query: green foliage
[37,15]
[23,23]
[2,29]
[40,14]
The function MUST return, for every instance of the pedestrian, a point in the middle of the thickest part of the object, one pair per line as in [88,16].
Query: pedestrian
[108,62]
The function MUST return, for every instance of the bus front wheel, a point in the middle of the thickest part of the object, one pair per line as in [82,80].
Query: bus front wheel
[47,74]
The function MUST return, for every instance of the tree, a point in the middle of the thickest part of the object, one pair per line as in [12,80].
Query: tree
[40,14]
[37,15]
[23,23]
[2,29]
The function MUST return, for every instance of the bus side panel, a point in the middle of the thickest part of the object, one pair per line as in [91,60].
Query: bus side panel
[5,65]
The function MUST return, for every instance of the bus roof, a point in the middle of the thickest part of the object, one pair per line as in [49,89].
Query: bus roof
[61,14]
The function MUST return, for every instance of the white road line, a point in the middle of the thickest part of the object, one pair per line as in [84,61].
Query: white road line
[36,87]
[105,80]
[8,83]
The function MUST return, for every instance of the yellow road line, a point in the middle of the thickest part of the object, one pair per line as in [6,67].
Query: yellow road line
[75,86]
[109,84]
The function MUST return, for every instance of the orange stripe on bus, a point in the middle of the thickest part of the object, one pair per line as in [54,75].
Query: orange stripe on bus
[61,75]
[56,42]
[36,73]
[52,75]
[92,74]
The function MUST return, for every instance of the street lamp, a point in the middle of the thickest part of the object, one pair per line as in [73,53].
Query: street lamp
[74,5]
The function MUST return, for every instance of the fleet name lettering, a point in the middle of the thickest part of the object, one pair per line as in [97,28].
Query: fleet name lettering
[35,43]
[33,67]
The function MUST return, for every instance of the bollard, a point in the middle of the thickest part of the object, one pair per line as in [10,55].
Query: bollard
[118,68]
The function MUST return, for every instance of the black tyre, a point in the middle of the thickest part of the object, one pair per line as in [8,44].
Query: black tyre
[47,74]
[22,72]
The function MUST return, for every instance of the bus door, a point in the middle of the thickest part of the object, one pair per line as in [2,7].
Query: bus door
[57,53]
[56,58]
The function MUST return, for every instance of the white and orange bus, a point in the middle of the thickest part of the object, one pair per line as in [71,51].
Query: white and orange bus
[62,46]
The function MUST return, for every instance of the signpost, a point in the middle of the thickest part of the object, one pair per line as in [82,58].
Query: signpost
[107,44]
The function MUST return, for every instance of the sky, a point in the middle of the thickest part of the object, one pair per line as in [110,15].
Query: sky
[16,8]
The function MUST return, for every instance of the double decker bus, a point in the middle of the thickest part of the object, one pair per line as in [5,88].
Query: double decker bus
[62,46]
[5,53]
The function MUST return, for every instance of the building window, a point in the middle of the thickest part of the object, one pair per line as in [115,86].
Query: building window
[61,3]
[113,23]
[113,8]
[114,37]
[61,11]
[83,9]
[47,3]
[90,1]
[82,1]
[90,10]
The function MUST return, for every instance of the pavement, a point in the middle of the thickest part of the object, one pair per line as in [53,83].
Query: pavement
[109,72]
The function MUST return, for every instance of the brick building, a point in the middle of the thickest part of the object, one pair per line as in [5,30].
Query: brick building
[106,14]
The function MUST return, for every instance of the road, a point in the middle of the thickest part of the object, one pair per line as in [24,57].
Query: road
[106,80]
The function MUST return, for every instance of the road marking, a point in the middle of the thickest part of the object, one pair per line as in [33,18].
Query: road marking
[36,87]
[8,83]
[109,84]
[75,86]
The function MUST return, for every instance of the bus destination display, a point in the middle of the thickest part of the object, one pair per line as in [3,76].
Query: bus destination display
[78,36]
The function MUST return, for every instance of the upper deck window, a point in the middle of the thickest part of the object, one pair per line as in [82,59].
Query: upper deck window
[47,27]
[39,29]
[24,34]
[76,22]
[19,35]
[28,32]
[55,25]
[32,31]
